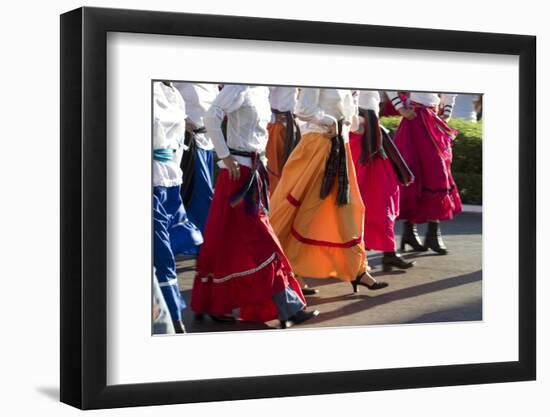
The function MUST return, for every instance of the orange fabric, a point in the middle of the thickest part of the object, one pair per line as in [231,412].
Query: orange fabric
[320,239]
[275,153]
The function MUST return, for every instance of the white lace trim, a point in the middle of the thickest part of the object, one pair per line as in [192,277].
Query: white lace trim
[242,274]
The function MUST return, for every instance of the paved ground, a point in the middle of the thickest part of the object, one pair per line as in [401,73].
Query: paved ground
[436,289]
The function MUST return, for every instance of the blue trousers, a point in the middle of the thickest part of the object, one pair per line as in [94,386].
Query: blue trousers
[173,233]
[288,303]
[203,190]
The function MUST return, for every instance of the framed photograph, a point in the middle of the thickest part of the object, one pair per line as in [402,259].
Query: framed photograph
[258,208]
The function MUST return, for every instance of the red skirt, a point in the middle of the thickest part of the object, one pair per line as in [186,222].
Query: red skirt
[425,143]
[241,263]
[379,189]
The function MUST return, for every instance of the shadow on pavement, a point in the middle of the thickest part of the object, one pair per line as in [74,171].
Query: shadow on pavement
[365,302]
[472,311]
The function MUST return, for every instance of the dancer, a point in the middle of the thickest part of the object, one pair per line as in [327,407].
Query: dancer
[197,163]
[241,264]
[424,139]
[284,133]
[173,232]
[317,211]
[380,169]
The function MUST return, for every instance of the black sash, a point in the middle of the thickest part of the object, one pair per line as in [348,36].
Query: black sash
[187,166]
[377,143]
[255,192]
[337,167]
[292,136]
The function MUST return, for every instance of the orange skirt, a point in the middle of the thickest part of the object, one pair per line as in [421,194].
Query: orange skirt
[275,153]
[320,239]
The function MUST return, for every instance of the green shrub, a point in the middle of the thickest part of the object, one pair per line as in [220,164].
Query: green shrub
[467,156]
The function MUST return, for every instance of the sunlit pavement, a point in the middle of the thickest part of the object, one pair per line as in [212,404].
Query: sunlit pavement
[437,289]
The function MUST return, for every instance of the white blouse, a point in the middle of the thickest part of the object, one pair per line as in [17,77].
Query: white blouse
[248,113]
[427,99]
[168,133]
[198,99]
[321,107]
[369,100]
[283,98]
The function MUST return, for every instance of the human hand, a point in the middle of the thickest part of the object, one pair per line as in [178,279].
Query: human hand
[407,112]
[233,167]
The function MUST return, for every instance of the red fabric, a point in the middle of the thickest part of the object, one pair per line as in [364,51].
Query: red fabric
[426,148]
[237,242]
[387,106]
[379,189]
[293,201]
[348,244]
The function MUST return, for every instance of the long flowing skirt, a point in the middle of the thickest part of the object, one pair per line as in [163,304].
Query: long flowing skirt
[241,263]
[379,189]
[427,150]
[274,152]
[320,239]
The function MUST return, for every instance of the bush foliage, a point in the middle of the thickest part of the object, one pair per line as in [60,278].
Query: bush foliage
[467,156]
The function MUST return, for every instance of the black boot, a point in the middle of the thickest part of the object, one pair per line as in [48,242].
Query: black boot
[410,237]
[300,317]
[178,326]
[392,259]
[434,241]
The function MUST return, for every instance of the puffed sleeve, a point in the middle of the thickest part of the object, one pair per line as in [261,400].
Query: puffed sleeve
[448,102]
[230,99]
[308,109]
[395,99]
[168,117]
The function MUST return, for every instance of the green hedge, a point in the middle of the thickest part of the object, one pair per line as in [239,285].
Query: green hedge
[467,156]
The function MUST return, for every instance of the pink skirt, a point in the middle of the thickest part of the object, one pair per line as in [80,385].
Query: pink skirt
[425,143]
[379,189]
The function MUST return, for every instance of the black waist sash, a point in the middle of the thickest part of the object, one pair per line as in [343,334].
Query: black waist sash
[377,143]
[292,135]
[187,166]
[255,192]
[337,167]
[371,141]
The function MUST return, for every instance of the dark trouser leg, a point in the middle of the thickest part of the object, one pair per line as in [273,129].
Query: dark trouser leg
[291,308]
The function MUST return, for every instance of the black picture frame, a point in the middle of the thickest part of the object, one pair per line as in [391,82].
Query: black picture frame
[84,207]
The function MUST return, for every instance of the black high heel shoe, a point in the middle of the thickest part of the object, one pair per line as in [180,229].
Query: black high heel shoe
[298,318]
[434,241]
[410,237]
[309,291]
[392,259]
[377,285]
